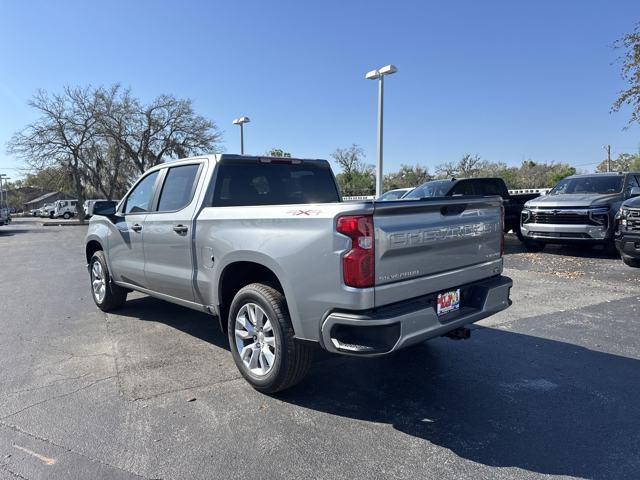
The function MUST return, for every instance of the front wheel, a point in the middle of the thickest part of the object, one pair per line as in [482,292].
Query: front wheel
[632,262]
[262,340]
[106,294]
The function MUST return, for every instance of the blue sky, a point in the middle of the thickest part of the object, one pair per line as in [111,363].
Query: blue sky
[508,80]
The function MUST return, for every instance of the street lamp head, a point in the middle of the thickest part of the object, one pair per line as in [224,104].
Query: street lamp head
[241,120]
[386,70]
[372,75]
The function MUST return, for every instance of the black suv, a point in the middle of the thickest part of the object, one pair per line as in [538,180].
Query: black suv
[627,235]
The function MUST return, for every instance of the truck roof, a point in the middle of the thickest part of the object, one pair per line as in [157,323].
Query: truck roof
[603,174]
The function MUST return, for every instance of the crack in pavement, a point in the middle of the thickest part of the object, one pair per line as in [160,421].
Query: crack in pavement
[185,389]
[40,387]
[17,429]
[56,397]
[5,467]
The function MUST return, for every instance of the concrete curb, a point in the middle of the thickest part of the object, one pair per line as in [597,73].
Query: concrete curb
[64,224]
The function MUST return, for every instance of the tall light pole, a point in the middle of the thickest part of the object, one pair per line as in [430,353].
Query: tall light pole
[379,75]
[241,121]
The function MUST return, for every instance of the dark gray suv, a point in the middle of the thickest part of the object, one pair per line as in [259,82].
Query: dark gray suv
[579,209]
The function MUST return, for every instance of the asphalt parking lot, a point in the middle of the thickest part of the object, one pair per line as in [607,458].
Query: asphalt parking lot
[548,388]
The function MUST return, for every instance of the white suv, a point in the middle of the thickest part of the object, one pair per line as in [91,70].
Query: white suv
[65,209]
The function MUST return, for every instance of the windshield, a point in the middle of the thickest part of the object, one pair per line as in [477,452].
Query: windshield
[435,188]
[392,195]
[595,184]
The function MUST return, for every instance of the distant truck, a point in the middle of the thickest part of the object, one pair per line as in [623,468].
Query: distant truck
[88,206]
[64,209]
[513,204]
[267,245]
[46,210]
[580,209]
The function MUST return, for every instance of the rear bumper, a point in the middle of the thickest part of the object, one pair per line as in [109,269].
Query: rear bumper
[629,245]
[387,329]
[558,233]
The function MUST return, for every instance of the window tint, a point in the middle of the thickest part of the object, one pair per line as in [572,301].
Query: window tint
[434,188]
[593,184]
[488,187]
[273,184]
[178,187]
[140,198]
[463,188]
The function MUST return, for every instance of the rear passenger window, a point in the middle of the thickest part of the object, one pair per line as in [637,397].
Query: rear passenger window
[488,188]
[177,190]
[463,188]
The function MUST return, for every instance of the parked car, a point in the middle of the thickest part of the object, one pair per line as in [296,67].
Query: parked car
[5,217]
[65,209]
[88,206]
[47,210]
[513,204]
[627,236]
[395,194]
[269,247]
[579,209]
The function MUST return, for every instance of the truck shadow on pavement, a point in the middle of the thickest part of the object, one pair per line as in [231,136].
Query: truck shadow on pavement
[501,399]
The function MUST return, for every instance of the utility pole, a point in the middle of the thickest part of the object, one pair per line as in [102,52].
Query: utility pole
[608,158]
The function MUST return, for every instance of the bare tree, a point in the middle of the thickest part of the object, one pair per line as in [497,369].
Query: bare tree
[60,136]
[149,134]
[468,166]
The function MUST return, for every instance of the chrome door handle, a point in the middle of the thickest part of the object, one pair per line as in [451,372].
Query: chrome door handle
[181,229]
[136,227]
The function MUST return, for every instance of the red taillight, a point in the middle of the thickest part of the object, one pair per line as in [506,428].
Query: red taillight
[502,232]
[358,263]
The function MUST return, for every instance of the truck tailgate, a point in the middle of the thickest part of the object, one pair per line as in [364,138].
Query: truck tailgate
[428,245]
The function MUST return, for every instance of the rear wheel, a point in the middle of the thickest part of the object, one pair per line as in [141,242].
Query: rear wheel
[106,294]
[632,262]
[533,246]
[262,340]
[66,215]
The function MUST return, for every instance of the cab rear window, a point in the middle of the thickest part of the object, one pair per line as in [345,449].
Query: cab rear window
[246,184]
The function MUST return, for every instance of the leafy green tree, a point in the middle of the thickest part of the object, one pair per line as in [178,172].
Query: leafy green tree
[630,73]
[356,176]
[407,176]
[623,163]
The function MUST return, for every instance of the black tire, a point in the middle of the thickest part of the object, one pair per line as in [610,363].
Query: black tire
[610,249]
[518,232]
[50,214]
[66,215]
[114,296]
[533,246]
[632,262]
[292,358]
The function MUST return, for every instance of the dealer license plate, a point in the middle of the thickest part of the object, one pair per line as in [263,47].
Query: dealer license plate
[448,302]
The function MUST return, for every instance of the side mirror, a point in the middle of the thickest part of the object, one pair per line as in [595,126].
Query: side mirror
[105,208]
[634,192]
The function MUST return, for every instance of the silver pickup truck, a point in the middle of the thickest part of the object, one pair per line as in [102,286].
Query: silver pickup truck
[266,245]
